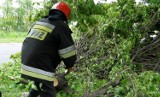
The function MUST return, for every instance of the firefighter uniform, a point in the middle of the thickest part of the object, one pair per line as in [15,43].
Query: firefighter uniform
[48,42]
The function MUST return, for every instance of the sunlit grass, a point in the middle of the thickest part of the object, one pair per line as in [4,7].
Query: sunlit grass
[12,37]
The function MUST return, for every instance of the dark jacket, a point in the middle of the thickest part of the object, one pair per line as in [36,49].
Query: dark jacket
[48,42]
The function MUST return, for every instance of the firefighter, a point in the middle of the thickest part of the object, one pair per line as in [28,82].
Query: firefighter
[47,43]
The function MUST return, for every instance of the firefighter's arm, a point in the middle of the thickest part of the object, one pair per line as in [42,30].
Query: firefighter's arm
[66,47]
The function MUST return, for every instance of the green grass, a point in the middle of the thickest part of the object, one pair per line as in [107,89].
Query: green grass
[12,37]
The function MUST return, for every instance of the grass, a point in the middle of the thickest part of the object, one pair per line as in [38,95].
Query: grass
[12,37]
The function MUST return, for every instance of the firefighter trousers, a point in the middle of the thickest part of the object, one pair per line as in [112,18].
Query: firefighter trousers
[42,90]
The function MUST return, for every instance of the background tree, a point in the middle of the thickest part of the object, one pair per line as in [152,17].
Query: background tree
[7,14]
[22,15]
[16,17]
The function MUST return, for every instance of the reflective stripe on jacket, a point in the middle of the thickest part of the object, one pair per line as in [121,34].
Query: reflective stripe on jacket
[37,73]
[67,52]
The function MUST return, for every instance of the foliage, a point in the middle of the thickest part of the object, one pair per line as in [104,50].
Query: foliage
[10,78]
[43,12]
[16,15]
[114,38]
[145,84]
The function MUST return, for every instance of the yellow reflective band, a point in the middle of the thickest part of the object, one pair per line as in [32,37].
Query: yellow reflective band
[46,24]
[66,50]
[36,75]
[47,29]
[69,54]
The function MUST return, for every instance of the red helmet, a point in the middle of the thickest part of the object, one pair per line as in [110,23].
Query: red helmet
[62,7]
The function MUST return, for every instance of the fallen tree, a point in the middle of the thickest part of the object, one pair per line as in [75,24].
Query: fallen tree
[103,90]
